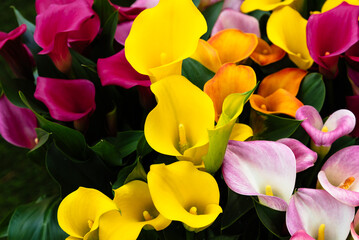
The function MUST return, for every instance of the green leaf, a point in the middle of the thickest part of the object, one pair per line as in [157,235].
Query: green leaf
[312,91]
[143,148]
[103,9]
[4,225]
[38,153]
[46,67]
[69,140]
[196,72]
[237,205]
[211,14]
[196,2]
[272,219]
[138,173]
[129,173]
[108,152]
[83,68]
[12,86]
[36,221]
[271,127]
[126,142]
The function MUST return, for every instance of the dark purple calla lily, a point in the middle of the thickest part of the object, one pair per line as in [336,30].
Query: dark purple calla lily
[67,100]
[64,23]
[330,34]
[116,70]
[16,54]
[353,105]
[17,125]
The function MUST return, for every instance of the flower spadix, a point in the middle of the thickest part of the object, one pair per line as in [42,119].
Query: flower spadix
[79,212]
[172,29]
[261,168]
[135,211]
[291,37]
[339,175]
[181,192]
[178,125]
[314,214]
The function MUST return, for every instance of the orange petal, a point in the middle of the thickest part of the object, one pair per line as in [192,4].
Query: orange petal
[287,78]
[265,54]
[280,102]
[207,56]
[233,45]
[230,78]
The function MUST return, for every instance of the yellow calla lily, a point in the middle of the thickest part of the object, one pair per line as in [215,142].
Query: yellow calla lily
[330,4]
[264,5]
[135,211]
[291,36]
[79,212]
[171,30]
[178,125]
[207,56]
[241,132]
[179,194]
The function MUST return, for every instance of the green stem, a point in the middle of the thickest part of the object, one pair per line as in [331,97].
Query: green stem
[190,235]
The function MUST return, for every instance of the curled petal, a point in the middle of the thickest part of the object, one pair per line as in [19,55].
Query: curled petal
[207,56]
[265,54]
[122,31]
[264,5]
[330,4]
[178,193]
[67,100]
[116,70]
[246,172]
[233,4]
[305,158]
[17,125]
[354,227]
[301,235]
[241,132]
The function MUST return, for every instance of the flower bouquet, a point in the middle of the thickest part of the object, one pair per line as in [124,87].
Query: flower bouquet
[181,119]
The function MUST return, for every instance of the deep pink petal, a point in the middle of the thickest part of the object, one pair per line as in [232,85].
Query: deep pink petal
[229,18]
[353,105]
[67,100]
[353,53]
[305,158]
[309,208]
[116,70]
[122,31]
[248,167]
[301,235]
[331,33]
[42,5]
[17,125]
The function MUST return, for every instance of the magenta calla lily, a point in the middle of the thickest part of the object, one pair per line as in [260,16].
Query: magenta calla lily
[67,100]
[340,174]
[353,105]
[316,213]
[65,23]
[16,54]
[354,227]
[261,168]
[338,124]
[116,70]
[17,125]
[230,18]
[305,158]
[325,43]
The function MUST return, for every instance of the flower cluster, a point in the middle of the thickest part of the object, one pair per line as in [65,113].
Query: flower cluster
[173,119]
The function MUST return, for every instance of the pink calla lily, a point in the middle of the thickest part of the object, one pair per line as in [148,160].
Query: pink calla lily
[17,125]
[67,100]
[261,168]
[339,175]
[354,227]
[315,213]
[116,70]
[305,158]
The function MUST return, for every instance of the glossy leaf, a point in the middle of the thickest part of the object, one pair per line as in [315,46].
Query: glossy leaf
[104,10]
[12,86]
[143,148]
[82,67]
[211,14]
[36,221]
[196,72]
[312,91]
[124,173]
[108,152]
[126,142]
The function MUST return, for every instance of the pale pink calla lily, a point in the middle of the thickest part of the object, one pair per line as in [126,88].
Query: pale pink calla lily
[315,212]
[16,54]
[229,18]
[17,125]
[67,100]
[305,158]
[340,174]
[261,168]
[233,4]
[354,227]
[116,70]
[338,124]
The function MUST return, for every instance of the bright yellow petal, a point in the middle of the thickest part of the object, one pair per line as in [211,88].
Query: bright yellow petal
[286,28]
[265,54]
[264,5]
[287,78]
[178,187]
[280,102]
[241,132]
[180,103]
[132,200]
[207,56]
[330,4]
[230,78]
[233,45]
[164,35]
[79,211]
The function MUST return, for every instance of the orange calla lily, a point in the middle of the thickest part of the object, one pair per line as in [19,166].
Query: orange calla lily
[230,78]
[265,54]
